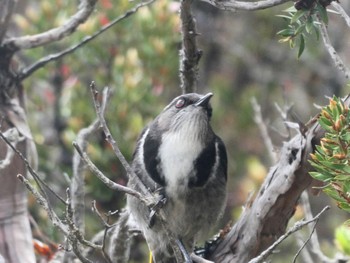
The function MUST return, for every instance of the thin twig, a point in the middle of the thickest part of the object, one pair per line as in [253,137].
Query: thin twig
[86,7]
[233,5]
[339,63]
[341,11]
[307,240]
[130,172]
[44,203]
[36,177]
[107,227]
[263,130]
[315,244]
[109,183]
[26,72]
[297,226]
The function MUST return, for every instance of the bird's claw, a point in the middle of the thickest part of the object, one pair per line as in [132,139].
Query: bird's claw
[155,208]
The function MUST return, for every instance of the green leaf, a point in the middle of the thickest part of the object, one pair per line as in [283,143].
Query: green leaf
[323,13]
[342,177]
[285,16]
[325,123]
[333,194]
[286,32]
[320,176]
[301,45]
[309,24]
[300,29]
[344,206]
[297,16]
[342,237]
[290,9]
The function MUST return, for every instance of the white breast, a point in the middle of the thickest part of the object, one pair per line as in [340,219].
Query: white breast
[177,154]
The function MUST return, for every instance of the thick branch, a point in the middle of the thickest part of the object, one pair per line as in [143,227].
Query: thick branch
[6,11]
[266,219]
[189,54]
[233,5]
[85,9]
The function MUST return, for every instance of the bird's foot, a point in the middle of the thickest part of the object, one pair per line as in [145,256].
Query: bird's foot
[158,205]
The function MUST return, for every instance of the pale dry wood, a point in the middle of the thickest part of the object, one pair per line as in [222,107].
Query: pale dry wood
[86,7]
[266,219]
[233,5]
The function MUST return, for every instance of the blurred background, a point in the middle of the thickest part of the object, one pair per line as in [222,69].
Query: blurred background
[138,59]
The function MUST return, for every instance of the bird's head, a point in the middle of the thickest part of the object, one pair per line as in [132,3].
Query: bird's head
[189,113]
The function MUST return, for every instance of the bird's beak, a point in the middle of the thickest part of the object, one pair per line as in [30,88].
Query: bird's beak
[203,102]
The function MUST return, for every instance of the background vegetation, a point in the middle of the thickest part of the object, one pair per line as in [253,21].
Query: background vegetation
[138,59]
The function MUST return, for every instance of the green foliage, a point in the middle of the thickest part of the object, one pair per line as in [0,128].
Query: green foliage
[342,238]
[332,157]
[302,23]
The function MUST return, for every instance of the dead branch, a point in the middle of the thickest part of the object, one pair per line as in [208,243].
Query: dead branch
[297,226]
[263,130]
[6,10]
[77,184]
[189,53]
[109,183]
[234,6]
[262,223]
[86,7]
[342,12]
[28,71]
[339,63]
[13,136]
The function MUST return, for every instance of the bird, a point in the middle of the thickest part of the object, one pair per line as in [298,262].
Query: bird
[180,159]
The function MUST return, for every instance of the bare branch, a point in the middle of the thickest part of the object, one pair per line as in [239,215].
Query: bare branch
[26,72]
[341,11]
[77,184]
[263,130]
[13,136]
[314,244]
[86,7]
[297,226]
[339,63]
[6,10]
[109,183]
[233,5]
[189,54]
[36,177]
[44,203]
[130,172]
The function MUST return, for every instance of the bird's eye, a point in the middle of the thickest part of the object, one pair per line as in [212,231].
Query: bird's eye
[180,103]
